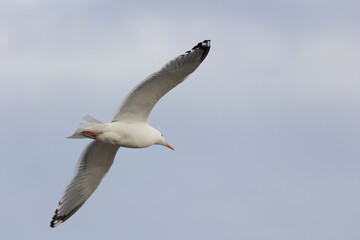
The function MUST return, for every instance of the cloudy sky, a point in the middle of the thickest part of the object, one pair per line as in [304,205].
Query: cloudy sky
[266,131]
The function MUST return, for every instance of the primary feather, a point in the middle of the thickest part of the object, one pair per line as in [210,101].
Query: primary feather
[93,164]
[141,100]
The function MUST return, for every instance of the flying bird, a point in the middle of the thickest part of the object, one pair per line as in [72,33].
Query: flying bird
[128,128]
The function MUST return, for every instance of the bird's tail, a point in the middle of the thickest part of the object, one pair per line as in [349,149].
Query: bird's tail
[86,122]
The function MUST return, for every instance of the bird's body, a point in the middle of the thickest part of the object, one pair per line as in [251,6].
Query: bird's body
[130,135]
[128,128]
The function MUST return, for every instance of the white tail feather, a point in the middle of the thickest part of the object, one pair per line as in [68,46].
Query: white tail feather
[87,121]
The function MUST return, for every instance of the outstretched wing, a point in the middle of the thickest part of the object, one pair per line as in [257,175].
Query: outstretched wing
[94,163]
[137,106]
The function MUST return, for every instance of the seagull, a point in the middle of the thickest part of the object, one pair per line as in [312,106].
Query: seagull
[128,128]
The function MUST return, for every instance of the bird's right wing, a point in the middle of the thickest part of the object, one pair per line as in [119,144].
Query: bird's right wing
[94,163]
[137,106]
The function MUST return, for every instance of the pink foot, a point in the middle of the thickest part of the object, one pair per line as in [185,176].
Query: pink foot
[90,134]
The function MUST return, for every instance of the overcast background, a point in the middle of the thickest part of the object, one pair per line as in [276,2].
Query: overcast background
[266,131]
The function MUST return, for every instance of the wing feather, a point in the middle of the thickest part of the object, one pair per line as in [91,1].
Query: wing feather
[137,106]
[93,164]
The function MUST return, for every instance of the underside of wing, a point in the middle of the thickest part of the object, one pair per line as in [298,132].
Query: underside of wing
[93,164]
[141,100]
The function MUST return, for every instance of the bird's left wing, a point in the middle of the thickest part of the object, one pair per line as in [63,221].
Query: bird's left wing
[94,163]
[137,106]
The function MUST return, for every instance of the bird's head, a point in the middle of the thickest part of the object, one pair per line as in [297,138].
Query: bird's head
[164,143]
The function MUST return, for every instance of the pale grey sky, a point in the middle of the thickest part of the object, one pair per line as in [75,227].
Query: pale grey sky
[266,131]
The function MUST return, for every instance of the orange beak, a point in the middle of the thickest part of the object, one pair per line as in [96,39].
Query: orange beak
[168,145]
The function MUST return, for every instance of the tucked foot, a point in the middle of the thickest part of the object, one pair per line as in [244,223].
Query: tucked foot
[90,134]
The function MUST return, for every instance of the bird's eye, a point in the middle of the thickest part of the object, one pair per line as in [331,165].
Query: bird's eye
[162,135]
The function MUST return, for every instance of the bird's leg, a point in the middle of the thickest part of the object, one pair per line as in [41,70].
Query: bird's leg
[91,134]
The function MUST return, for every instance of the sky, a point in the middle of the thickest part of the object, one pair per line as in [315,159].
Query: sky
[266,131]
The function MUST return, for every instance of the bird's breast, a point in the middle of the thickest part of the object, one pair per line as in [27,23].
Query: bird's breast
[126,135]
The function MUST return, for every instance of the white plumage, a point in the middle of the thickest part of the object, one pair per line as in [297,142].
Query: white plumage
[128,128]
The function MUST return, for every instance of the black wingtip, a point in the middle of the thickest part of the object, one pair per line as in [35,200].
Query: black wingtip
[58,219]
[55,220]
[205,46]
[52,224]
